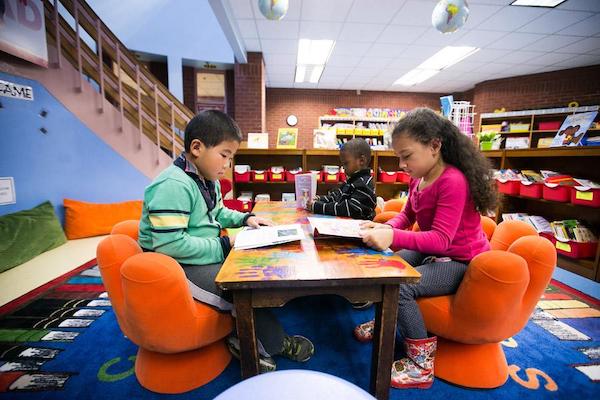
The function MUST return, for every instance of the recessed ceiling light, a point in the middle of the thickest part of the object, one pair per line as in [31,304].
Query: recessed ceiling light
[537,3]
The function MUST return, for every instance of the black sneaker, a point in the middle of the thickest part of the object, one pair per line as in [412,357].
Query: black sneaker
[265,364]
[297,348]
[362,306]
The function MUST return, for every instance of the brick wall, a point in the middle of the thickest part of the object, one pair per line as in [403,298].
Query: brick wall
[546,90]
[309,104]
[249,89]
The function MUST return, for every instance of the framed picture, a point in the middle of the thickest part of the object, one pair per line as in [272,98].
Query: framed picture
[287,138]
[258,140]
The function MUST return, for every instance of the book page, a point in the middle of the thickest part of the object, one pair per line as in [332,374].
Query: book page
[336,227]
[251,238]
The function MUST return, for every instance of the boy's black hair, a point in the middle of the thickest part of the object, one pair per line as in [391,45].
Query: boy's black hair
[358,147]
[211,127]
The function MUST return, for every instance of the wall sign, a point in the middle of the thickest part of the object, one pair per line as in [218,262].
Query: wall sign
[9,89]
[23,30]
[7,191]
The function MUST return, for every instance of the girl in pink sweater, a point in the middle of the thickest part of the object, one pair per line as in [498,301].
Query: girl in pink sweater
[450,186]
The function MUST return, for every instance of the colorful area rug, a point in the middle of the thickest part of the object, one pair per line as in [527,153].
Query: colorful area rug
[62,341]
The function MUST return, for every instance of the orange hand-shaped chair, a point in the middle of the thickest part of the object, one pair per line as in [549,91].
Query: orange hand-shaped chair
[180,340]
[494,302]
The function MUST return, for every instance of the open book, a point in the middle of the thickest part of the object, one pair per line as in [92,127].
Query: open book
[335,227]
[251,238]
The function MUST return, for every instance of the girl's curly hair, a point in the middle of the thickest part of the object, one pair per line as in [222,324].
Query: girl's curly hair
[424,125]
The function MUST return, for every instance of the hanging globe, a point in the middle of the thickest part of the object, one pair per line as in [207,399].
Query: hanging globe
[449,15]
[273,9]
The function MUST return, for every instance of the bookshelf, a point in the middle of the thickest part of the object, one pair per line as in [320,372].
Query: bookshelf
[309,160]
[576,161]
[364,127]
[536,121]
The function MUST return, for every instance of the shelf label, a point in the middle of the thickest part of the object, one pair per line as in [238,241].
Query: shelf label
[589,196]
[563,246]
[276,176]
[259,177]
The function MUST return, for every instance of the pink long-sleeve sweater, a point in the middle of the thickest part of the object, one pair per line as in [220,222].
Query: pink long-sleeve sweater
[450,225]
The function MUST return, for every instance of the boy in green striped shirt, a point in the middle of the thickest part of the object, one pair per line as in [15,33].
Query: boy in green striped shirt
[183,215]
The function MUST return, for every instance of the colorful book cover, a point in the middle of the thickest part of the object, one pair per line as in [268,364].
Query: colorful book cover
[306,188]
[573,129]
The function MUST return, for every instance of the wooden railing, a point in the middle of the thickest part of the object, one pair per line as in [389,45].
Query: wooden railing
[116,74]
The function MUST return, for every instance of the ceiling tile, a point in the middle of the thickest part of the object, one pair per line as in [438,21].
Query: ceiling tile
[494,67]
[242,9]
[548,59]
[519,56]
[375,63]
[579,60]
[343,48]
[433,37]
[247,28]
[337,71]
[360,32]
[320,30]
[552,42]
[587,27]
[401,34]
[385,50]
[252,45]
[487,55]
[279,46]
[479,38]
[367,11]
[281,77]
[582,5]
[319,10]
[515,40]
[343,61]
[554,21]
[415,12]
[512,18]
[479,13]
[583,46]
[272,59]
[328,85]
[278,29]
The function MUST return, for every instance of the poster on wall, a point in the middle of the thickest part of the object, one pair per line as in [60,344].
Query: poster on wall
[287,138]
[7,191]
[23,31]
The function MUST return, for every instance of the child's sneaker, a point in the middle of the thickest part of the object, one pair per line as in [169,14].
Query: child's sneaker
[265,364]
[297,348]
[364,332]
[362,306]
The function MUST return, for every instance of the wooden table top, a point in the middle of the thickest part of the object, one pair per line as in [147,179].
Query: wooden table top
[328,262]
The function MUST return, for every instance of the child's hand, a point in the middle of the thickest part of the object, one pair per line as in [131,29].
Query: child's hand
[374,225]
[255,222]
[379,239]
[231,237]
[309,204]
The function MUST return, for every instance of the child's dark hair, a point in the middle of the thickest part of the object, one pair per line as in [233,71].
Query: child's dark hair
[358,147]
[424,125]
[211,127]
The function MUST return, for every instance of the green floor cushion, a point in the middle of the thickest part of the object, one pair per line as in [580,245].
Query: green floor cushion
[28,233]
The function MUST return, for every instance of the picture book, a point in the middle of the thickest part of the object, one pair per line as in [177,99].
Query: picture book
[306,188]
[258,140]
[335,227]
[287,138]
[251,238]
[573,129]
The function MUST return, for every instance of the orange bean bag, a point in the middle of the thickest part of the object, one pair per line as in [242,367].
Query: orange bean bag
[385,216]
[394,205]
[494,301]
[488,225]
[180,341]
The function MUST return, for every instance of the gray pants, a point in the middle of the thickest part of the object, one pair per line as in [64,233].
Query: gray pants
[201,279]
[437,279]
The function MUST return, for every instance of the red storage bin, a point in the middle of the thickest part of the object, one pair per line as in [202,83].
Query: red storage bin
[242,177]
[574,249]
[318,173]
[403,177]
[259,175]
[549,125]
[387,176]
[548,236]
[342,177]
[331,178]
[585,196]
[556,192]
[277,176]
[508,187]
[291,176]
[531,189]
[239,205]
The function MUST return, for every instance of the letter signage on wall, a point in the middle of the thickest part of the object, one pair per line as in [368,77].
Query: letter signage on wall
[23,31]
[8,89]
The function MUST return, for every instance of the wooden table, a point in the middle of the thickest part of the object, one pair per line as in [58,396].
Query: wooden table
[270,277]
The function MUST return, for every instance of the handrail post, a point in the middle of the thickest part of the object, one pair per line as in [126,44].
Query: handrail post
[57,26]
[100,62]
[156,123]
[120,86]
[139,104]
[78,41]
[173,155]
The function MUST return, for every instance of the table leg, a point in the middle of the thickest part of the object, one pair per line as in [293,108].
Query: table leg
[242,300]
[384,337]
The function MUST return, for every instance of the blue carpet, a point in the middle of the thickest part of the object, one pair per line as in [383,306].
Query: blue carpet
[98,363]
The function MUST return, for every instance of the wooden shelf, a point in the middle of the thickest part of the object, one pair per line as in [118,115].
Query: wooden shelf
[581,151]
[579,206]
[270,152]
[583,267]
[493,153]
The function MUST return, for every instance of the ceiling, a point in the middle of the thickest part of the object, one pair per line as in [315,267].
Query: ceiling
[377,41]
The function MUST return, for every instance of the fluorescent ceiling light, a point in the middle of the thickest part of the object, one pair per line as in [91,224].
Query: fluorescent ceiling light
[315,52]
[441,60]
[300,73]
[315,75]
[537,3]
